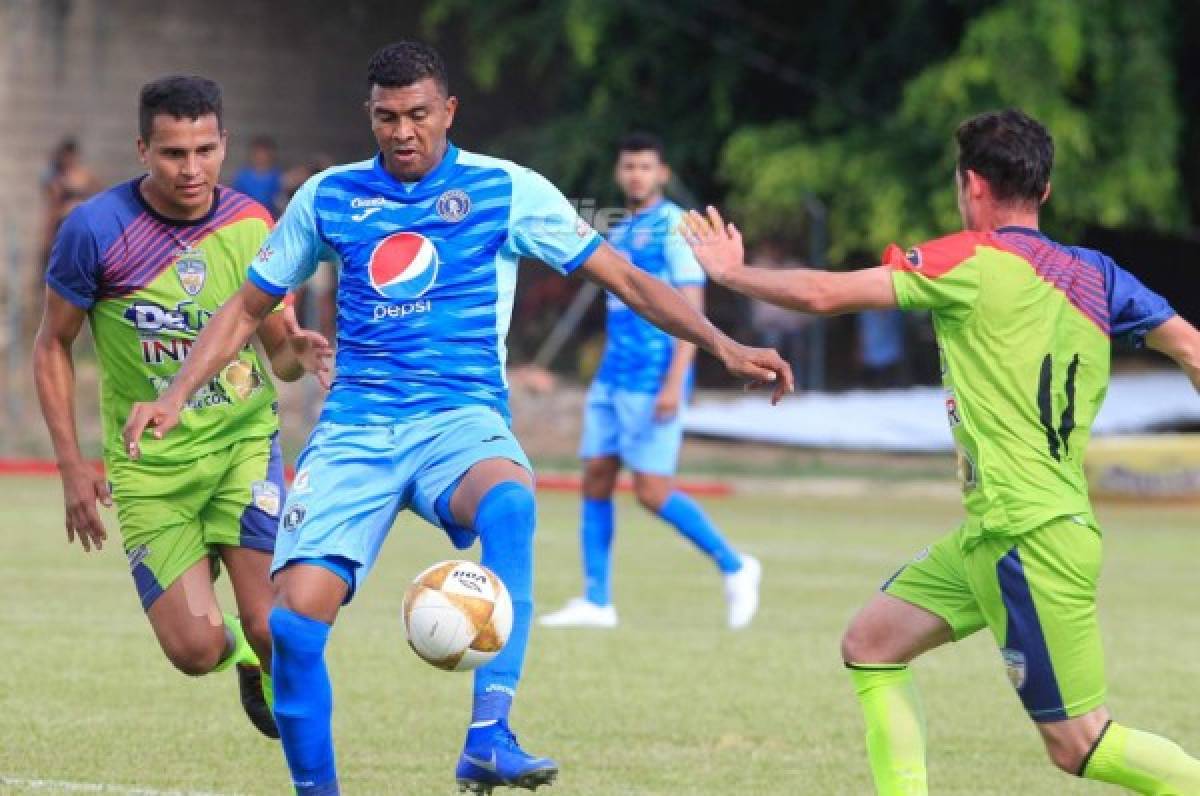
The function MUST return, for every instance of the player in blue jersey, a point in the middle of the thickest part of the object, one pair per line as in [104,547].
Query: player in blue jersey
[427,238]
[633,408]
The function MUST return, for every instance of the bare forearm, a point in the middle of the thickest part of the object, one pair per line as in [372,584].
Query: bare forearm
[1179,340]
[664,307]
[793,288]
[217,345]
[54,373]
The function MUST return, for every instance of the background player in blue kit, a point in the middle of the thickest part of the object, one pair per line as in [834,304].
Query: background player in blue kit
[632,416]
[427,238]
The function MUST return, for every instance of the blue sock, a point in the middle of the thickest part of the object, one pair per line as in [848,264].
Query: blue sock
[505,521]
[596,536]
[303,701]
[691,521]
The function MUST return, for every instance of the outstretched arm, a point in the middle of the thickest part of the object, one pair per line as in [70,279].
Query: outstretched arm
[662,305]
[718,248]
[217,345]
[1179,340]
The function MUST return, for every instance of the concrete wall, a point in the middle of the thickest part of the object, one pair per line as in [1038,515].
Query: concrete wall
[294,70]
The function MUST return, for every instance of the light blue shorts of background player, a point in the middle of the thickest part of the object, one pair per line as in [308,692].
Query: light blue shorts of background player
[622,423]
[351,481]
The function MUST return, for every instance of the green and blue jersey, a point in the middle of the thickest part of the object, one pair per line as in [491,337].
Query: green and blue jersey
[149,285]
[1024,326]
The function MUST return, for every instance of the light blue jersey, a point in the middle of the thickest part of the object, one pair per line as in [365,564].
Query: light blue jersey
[427,275]
[638,354]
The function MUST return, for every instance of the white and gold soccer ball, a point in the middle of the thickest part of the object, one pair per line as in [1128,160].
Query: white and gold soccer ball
[457,615]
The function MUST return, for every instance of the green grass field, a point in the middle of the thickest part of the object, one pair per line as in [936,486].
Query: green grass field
[670,703]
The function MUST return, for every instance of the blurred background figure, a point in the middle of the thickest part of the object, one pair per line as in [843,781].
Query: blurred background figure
[881,348]
[315,301]
[786,331]
[261,178]
[65,184]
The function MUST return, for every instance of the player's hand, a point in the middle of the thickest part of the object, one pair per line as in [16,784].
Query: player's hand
[759,366]
[83,487]
[716,244]
[160,415]
[314,353]
[666,405]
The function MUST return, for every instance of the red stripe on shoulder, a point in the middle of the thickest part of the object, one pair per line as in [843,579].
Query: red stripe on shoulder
[240,207]
[939,256]
[253,210]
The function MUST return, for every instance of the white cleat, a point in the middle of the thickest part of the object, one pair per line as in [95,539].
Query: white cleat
[581,612]
[741,592]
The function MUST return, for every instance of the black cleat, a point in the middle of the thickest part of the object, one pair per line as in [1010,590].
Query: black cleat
[529,781]
[253,701]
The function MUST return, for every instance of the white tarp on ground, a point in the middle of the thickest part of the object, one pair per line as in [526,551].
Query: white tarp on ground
[914,420]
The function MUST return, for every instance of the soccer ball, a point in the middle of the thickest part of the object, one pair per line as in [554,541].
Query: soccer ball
[457,615]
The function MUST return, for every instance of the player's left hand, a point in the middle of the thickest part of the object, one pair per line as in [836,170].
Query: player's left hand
[716,244]
[666,405]
[760,367]
[314,353]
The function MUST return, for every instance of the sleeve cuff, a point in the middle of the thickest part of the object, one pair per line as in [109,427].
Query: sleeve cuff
[264,284]
[1138,338]
[583,254]
[899,285]
[78,299]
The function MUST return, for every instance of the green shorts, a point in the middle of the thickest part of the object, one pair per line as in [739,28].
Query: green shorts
[173,515]
[1037,594]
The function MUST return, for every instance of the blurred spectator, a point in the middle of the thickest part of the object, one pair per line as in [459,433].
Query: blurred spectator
[65,184]
[881,344]
[261,179]
[787,331]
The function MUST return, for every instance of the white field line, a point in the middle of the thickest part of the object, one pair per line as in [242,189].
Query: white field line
[95,787]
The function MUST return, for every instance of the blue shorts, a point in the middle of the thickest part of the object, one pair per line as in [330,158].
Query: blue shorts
[352,481]
[622,423]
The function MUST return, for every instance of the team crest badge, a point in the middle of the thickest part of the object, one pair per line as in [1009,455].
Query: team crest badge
[641,238]
[192,271]
[453,205]
[266,496]
[1014,664]
[914,257]
[293,517]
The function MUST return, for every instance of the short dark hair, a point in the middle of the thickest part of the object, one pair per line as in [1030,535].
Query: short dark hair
[642,142]
[403,63]
[180,96]
[263,142]
[1009,149]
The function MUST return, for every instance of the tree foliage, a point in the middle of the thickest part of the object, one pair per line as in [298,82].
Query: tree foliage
[854,103]
[1096,72]
[585,72]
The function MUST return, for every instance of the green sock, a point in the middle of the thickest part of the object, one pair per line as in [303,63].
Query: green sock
[1143,763]
[240,650]
[268,687]
[895,728]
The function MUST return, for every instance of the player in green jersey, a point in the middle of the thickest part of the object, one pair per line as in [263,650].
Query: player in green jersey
[147,263]
[1024,327]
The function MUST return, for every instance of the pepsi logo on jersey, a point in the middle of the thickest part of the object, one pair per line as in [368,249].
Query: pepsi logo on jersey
[403,268]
